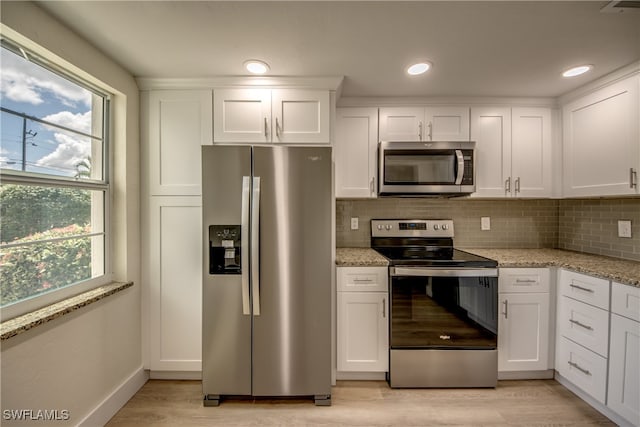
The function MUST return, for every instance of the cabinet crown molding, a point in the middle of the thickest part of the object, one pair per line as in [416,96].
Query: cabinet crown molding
[333,83]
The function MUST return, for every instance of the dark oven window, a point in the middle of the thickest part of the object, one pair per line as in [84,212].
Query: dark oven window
[444,312]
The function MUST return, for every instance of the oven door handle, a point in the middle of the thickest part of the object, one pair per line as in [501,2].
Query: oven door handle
[443,272]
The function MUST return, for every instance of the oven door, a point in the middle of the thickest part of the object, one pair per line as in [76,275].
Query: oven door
[414,168]
[433,308]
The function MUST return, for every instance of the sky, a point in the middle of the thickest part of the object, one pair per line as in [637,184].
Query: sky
[27,88]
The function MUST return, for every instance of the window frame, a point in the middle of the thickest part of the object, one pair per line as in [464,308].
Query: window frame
[8,176]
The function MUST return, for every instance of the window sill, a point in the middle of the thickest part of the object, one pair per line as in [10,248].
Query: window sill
[20,324]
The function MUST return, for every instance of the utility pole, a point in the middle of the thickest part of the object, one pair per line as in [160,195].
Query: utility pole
[24,144]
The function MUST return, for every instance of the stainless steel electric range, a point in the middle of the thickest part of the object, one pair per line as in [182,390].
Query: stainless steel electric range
[444,307]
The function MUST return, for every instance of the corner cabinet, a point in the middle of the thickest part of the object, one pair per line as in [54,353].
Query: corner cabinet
[523,322]
[424,124]
[513,151]
[363,325]
[355,152]
[271,115]
[624,357]
[601,133]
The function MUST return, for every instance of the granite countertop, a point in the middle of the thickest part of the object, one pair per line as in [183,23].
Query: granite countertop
[618,270]
[359,257]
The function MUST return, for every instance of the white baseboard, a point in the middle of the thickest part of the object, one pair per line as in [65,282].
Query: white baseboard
[102,413]
[361,376]
[526,375]
[175,375]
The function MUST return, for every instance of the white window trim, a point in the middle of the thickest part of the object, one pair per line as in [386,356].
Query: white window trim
[56,295]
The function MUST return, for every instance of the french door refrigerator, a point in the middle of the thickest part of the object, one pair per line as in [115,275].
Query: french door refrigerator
[267,272]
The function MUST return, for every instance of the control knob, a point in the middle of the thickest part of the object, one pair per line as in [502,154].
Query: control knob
[436,227]
[445,227]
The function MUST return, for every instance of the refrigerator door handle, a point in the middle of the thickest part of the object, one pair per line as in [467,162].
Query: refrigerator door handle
[244,244]
[255,246]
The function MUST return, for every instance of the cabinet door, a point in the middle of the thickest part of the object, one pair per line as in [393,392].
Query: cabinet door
[446,124]
[601,141]
[355,152]
[523,332]
[301,116]
[402,124]
[531,152]
[179,123]
[363,332]
[174,276]
[624,368]
[242,115]
[491,130]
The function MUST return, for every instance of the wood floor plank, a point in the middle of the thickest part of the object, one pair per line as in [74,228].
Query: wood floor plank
[366,403]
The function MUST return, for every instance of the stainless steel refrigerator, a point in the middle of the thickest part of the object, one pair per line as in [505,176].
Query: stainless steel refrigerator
[267,272]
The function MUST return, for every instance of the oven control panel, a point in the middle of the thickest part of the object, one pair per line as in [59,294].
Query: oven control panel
[412,228]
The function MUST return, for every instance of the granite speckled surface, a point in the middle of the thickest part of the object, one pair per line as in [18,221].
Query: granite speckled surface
[20,324]
[359,257]
[618,270]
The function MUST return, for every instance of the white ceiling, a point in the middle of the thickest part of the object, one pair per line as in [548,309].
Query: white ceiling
[478,48]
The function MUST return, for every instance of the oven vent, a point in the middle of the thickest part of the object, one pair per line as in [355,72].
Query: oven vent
[621,6]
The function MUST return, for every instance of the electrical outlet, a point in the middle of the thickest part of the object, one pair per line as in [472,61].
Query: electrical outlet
[485,223]
[354,223]
[624,228]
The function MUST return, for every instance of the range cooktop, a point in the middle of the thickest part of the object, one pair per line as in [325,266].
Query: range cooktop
[427,243]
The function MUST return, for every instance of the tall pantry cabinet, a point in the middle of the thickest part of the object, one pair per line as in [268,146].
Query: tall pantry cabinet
[175,124]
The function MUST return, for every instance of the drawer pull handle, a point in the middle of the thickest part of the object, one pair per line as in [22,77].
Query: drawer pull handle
[581,288]
[362,280]
[579,368]
[582,325]
[525,281]
[506,308]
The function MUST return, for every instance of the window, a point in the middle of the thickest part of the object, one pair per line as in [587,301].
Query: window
[54,189]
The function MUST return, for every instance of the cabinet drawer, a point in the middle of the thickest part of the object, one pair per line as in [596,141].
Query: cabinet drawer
[362,279]
[584,324]
[625,301]
[591,290]
[524,280]
[583,368]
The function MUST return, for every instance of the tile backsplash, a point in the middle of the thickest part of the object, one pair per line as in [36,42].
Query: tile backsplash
[591,225]
[514,223]
[585,225]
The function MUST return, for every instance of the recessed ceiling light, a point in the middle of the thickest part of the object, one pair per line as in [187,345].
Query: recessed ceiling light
[576,71]
[419,68]
[256,66]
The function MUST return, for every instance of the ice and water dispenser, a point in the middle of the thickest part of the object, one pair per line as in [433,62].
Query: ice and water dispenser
[224,249]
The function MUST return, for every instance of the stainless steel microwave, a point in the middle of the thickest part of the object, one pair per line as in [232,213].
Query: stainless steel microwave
[426,168]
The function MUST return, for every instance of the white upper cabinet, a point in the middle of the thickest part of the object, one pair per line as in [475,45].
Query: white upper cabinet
[178,123]
[424,124]
[531,152]
[242,115]
[355,151]
[513,151]
[602,141]
[265,115]
[491,130]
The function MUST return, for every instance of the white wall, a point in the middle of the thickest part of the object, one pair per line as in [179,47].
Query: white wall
[78,360]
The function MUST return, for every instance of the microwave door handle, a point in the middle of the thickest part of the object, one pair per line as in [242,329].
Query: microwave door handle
[460,168]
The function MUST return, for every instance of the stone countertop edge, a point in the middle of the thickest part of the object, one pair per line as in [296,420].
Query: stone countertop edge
[359,257]
[619,270]
[12,327]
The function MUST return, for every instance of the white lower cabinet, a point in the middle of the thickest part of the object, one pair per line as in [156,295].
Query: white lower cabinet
[624,357]
[174,277]
[363,307]
[523,320]
[583,332]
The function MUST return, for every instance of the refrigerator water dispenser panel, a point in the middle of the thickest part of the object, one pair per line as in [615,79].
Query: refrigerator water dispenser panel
[224,249]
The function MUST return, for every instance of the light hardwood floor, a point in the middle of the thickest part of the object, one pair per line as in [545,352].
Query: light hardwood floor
[366,403]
